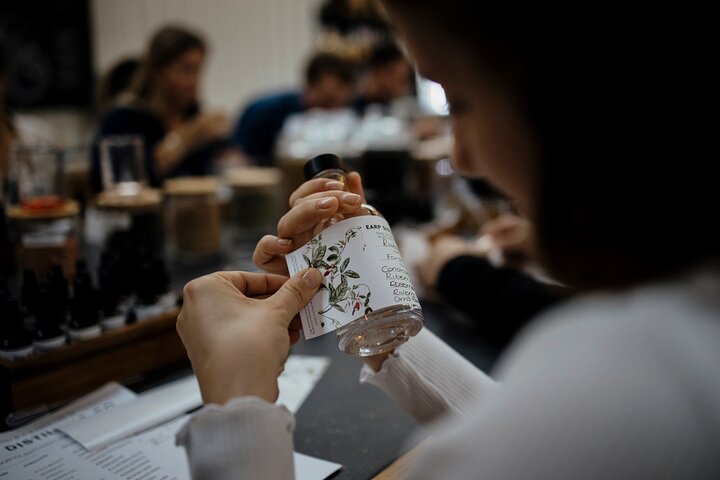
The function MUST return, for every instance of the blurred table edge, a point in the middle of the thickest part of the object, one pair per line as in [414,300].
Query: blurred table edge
[400,468]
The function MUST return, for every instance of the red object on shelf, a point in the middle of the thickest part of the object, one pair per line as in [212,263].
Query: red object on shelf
[47,202]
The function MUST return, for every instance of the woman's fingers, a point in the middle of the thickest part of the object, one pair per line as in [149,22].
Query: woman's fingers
[319,185]
[253,284]
[355,184]
[269,252]
[315,185]
[348,202]
[300,224]
[305,216]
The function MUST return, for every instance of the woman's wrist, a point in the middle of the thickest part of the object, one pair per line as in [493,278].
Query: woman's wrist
[219,386]
[168,152]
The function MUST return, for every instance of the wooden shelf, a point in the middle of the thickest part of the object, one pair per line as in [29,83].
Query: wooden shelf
[78,368]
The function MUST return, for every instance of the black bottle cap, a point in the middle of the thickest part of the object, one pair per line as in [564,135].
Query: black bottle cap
[326,161]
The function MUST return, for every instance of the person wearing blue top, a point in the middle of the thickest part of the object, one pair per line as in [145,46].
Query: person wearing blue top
[161,106]
[329,83]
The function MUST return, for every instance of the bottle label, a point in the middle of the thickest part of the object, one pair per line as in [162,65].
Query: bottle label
[362,271]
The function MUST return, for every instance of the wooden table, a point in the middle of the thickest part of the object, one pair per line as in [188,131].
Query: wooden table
[401,468]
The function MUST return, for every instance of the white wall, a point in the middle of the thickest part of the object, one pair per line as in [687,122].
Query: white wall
[255,45]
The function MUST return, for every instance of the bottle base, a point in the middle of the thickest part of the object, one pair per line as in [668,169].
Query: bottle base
[380,331]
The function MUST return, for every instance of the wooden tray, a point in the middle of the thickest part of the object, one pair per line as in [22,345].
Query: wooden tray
[78,368]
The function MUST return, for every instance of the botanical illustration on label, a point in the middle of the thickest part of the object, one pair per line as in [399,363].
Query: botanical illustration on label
[362,272]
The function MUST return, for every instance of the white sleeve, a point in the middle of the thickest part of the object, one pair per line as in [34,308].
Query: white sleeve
[590,399]
[428,379]
[245,438]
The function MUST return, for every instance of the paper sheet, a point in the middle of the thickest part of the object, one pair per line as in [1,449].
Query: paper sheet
[146,411]
[41,451]
[171,400]
[50,455]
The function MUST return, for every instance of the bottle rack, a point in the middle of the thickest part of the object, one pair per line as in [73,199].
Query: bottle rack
[60,375]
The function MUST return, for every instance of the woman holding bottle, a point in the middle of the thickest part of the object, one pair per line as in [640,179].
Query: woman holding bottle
[563,116]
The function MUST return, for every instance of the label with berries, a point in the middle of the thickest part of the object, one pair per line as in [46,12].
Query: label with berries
[362,272]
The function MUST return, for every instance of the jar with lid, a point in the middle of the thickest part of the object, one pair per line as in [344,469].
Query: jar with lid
[193,218]
[43,224]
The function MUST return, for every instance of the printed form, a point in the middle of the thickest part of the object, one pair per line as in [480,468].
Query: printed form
[41,451]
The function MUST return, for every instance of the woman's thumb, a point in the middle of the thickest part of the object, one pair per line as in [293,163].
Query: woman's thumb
[298,291]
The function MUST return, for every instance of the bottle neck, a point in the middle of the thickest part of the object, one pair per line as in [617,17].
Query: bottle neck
[334,174]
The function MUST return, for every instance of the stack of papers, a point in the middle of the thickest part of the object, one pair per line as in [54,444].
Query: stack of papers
[115,434]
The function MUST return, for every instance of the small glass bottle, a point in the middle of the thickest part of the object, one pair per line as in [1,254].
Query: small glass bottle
[15,341]
[84,308]
[380,330]
[110,293]
[49,316]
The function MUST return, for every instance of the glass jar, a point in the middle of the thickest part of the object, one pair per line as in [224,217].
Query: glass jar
[366,284]
[121,165]
[193,218]
[43,224]
[254,206]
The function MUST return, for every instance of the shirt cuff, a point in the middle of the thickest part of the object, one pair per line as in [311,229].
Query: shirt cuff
[245,438]
[428,379]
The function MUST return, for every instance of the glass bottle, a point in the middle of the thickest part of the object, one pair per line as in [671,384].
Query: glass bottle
[84,308]
[15,341]
[49,316]
[110,293]
[380,330]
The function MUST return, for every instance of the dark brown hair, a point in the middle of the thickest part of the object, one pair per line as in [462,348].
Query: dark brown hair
[383,54]
[616,101]
[115,81]
[166,46]
[322,64]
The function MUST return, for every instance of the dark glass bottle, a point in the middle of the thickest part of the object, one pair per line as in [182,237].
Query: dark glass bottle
[84,307]
[60,291]
[30,292]
[15,340]
[110,293]
[49,316]
[153,289]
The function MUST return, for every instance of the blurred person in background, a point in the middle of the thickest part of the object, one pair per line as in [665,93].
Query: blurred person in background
[162,106]
[386,77]
[491,279]
[116,81]
[329,84]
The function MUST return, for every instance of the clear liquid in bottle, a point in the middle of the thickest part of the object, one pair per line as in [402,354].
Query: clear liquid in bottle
[383,329]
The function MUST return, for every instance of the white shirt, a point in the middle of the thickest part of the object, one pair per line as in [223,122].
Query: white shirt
[622,385]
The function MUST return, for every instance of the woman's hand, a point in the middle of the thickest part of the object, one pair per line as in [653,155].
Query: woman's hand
[314,204]
[205,127]
[442,250]
[237,329]
[515,238]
